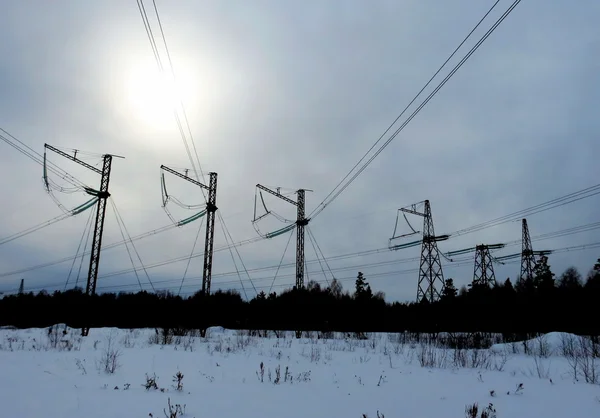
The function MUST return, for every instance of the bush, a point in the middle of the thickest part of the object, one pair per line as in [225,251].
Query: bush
[471,411]
[150,382]
[178,380]
[109,361]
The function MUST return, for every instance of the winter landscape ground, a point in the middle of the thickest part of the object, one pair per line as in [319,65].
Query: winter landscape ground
[55,373]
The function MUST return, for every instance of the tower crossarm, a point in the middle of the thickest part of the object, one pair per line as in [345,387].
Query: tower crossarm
[73,158]
[412,211]
[183,176]
[279,195]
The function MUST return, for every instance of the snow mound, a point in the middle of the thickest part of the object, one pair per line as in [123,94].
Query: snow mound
[545,344]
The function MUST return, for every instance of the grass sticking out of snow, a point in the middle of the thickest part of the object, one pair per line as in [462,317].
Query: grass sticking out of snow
[133,373]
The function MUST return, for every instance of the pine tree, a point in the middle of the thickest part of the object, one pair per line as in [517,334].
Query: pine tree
[359,284]
[543,276]
[593,279]
[363,289]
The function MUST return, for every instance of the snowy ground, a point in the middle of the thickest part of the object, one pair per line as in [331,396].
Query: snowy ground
[54,376]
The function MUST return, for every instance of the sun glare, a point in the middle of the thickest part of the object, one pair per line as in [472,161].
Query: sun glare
[152,96]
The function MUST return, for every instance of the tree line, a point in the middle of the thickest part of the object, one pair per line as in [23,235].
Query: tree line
[541,303]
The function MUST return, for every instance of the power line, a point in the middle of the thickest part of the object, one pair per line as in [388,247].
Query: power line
[120,219]
[281,261]
[372,275]
[73,212]
[187,266]
[39,158]
[179,124]
[329,199]
[104,247]
[541,207]
[314,239]
[87,239]
[564,232]
[582,247]
[310,238]
[137,276]
[83,236]
[578,195]
[34,228]
[359,266]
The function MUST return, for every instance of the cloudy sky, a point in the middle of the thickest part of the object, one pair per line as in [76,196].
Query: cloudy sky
[291,95]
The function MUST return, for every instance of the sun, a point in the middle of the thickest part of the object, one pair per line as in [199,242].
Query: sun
[152,96]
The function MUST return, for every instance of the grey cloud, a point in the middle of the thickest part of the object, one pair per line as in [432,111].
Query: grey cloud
[292,95]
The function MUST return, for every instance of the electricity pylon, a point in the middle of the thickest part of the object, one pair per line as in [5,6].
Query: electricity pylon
[484,269]
[301,222]
[527,255]
[528,260]
[211,208]
[430,269]
[102,194]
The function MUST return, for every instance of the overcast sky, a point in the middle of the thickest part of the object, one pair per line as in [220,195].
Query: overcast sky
[292,94]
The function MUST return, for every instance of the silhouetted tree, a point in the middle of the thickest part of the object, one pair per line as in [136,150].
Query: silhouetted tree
[336,289]
[502,308]
[379,295]
[363,289]
[543,276]
[593,281]
[313,286]
[570,279]
[449,293]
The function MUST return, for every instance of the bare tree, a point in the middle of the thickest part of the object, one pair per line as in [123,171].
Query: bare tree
[335,288]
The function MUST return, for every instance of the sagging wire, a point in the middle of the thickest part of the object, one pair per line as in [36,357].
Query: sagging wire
[255,220]
[87,239]
[190,258]
[51,186]
[83,236]
[227,234]
[394,237]
[127,247]
[166,198]
[280,262]
[315,245]
[75,211]
[122,222]
[237,270]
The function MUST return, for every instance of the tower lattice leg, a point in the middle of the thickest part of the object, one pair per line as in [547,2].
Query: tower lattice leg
[431,278]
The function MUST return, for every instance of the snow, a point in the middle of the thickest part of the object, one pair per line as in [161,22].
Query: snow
[60,375]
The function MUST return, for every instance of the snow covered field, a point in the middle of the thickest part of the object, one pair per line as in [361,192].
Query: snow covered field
[52,375]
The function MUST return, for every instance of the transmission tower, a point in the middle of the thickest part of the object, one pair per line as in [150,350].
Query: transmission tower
[102,194]
[301,222]
[22,287]
[484,269]
[527,255]
[211,208]
[431,278]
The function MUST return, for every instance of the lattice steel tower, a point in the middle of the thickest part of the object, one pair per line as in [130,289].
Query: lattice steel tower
[211,208]
[431,278]
[527,255]
[102,194]
[484,269]
[301,222]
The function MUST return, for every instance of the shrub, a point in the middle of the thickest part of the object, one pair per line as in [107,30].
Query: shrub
[150,382]
[174,411]
[178,380]
[109,361]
